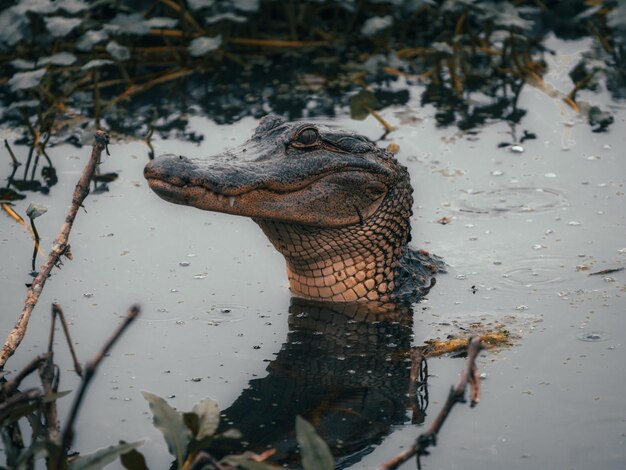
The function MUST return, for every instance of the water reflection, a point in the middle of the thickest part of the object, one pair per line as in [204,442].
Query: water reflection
[347,369]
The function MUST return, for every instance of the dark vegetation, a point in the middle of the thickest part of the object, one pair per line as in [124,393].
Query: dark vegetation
[134,68]
[70,67]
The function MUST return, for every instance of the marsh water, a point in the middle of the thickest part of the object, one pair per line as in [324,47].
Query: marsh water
[528,222]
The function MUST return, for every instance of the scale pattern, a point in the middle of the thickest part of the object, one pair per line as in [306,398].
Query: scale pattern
[357,262]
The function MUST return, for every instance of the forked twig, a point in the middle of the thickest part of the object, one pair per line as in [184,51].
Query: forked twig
[456,395]
[90,369]
[59,247]
[57,311]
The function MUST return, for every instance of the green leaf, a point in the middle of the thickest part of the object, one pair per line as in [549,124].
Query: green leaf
[208,415]
[55,396]
[170,423]
[362,103]
[315,452]
[192,421]
[102,457]
[133,460]
[35,210]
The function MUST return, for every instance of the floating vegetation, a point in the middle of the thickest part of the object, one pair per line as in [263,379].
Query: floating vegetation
[69,67]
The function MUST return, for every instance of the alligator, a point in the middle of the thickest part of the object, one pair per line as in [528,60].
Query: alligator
[335,205]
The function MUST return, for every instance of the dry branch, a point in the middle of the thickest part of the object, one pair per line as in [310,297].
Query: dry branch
[456,395]
[57,311]
[59,247]
[90,371]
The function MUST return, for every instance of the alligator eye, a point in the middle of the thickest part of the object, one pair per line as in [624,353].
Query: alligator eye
[307,137]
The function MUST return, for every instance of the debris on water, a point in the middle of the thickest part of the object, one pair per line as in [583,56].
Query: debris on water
[490,339]
[521,307]
[225,310]
[497,172]
[574,223]
[393,148]
[201,276]
[593,336]
[196,379]
[184,264]
[191,255]
[444,220]
[607,271]
[162,310]
[173,291]
[88,295]
[483,376]
[180,322]
[593,157]
[538,246]
[516,149]
[461,277]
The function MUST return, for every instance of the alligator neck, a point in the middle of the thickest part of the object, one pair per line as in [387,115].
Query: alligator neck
[346,264]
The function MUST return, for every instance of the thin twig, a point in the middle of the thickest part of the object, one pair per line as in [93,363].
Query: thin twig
[11,154]
[90,370]
[7,407]
[36,248]
[58,311]
[15,216]
[49,375]
[58,249]
[134,89]
[31,367]
[456,395]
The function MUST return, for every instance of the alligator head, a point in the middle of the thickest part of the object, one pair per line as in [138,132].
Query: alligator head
[334,204]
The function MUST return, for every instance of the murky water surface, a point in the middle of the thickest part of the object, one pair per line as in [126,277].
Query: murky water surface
[527,226]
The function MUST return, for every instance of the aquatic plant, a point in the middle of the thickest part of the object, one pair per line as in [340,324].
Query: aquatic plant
[69,66]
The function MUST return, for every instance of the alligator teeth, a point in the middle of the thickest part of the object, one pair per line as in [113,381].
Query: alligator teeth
[220,197]
[231,201]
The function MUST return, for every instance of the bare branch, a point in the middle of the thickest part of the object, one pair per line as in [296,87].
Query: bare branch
[456,395]
[58,311]
[31,367]
[16,163]
[9,405]
[58,249]
[90,370]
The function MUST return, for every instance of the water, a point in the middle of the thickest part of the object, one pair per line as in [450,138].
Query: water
[526,229]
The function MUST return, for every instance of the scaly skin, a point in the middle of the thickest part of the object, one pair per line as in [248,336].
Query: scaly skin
[332,203]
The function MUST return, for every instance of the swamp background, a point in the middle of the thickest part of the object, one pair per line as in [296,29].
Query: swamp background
[510,118]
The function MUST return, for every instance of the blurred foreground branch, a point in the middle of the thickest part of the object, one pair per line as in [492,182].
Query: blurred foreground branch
[90,371]
[456,395]
[59,248]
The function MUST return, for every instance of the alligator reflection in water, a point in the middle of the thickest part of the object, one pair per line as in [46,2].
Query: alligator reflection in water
[345,368]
